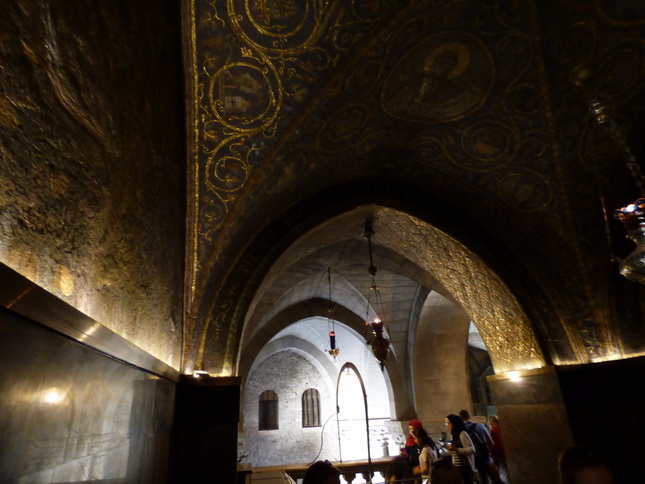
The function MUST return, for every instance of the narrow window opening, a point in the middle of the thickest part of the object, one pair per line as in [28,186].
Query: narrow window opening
[311,408]
[268,411]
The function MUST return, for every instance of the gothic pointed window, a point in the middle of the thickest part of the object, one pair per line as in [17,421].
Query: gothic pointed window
[311,408]
[268,411]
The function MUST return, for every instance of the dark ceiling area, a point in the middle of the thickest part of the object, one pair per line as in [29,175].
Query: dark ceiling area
[472,117]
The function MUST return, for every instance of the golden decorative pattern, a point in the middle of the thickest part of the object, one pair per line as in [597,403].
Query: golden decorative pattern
[481,117]
[254,61]
[503,325]
[93,162]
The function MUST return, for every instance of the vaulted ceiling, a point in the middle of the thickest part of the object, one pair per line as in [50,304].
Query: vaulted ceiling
[461,128]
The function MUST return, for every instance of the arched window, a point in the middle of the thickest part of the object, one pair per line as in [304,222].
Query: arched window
[268,408]
[311,408]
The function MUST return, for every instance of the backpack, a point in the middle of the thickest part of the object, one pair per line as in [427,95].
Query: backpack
[481,446]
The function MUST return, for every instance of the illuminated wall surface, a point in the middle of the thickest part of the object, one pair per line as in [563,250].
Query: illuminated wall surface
[92,178]
[70,414]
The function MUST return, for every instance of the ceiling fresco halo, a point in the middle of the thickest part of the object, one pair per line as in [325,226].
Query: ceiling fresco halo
[525,190]
[454,73]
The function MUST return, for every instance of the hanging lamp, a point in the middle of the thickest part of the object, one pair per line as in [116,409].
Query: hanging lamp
[632,215]
[331,323]
[380,344]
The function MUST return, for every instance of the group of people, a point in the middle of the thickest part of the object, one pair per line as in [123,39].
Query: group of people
[457,461]
[471,455]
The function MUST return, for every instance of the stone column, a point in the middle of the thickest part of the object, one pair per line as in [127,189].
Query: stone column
[547,410]
[440,363]
[534,422]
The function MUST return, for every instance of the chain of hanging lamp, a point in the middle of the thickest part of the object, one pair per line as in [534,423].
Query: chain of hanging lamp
[600,116]
[380,344]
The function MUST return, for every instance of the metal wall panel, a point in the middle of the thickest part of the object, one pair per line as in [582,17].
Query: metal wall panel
[69,413]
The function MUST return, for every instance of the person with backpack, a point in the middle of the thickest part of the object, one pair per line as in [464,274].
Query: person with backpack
[462,449]
[483,443]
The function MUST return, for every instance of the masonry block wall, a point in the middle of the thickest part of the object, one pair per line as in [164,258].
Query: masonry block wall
[288,374]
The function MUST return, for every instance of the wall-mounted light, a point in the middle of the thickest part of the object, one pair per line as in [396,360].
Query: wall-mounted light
[53,396]
[514,376]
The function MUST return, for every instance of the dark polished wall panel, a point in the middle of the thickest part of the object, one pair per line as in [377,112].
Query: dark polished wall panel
[69,413]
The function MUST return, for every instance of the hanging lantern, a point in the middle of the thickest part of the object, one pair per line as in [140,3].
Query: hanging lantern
[332,345]
[380,344]
[331,323]
[632,216]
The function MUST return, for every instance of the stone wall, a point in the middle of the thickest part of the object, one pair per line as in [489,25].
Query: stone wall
[92,178]
[288,374]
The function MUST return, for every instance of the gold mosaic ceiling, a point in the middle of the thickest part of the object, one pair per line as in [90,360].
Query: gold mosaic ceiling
[460,113]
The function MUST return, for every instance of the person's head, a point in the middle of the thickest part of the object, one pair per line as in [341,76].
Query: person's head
[455,425]
[465,415]
[443,472]
[322,472]
[583,465]
[421,437]
[414,424]
[494,421]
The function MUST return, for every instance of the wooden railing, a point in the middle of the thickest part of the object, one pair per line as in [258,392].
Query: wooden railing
[348,469]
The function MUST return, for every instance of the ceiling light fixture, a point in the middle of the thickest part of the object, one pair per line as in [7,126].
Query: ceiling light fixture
[380,344]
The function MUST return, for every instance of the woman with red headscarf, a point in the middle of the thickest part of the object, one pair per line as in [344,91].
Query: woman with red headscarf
[411,448]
